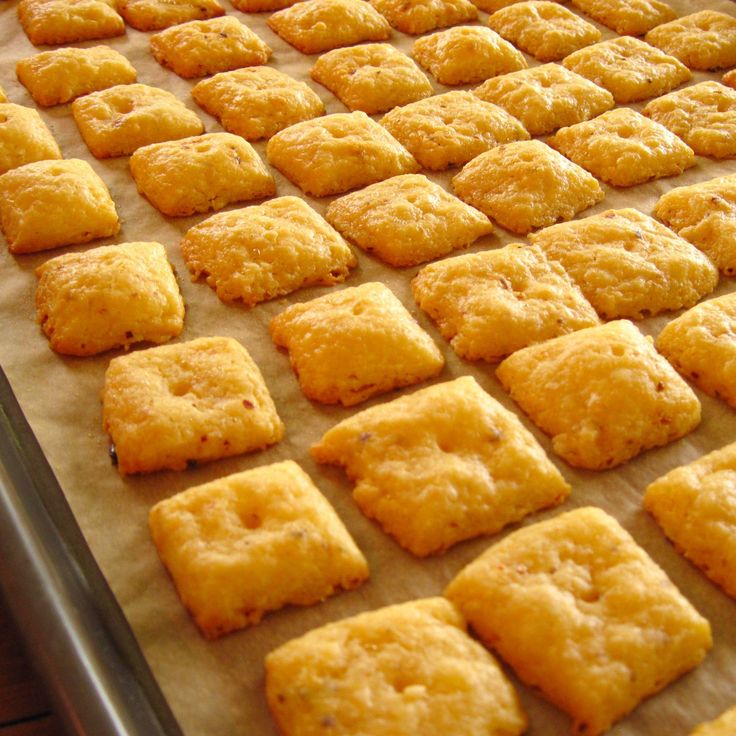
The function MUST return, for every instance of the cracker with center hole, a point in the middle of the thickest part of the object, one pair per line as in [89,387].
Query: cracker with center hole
[69,21]
[155,15]
[24,137]
[419,16]
[724,725]
[627,17]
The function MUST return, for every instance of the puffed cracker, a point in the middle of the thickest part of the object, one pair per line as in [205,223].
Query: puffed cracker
[338,152]
[257,253]
[627,17]
[352,344]
[48,204]
[623,148]
[406,668]
[108,297]
[724,725]
[466,55]
[705,215]
[372,77]
[155,15]
[582,613]
[628,68]
[492,303]
[729,78]
[704,40]
[117,121]
[253,542]
[69,21]
[628,265]
[257,102]
[407,220]
[526,185]
[168,407]
[24,137]
[703,115]
[452,128]
[315,26]
[603,394]
[546,30]
[56,77]
[199,48]
[546,97]
[200,174]
[419,16]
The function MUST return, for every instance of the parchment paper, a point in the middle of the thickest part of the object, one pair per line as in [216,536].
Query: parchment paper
[216,688]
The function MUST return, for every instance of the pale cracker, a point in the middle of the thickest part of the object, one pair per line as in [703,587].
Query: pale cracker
[603,394]
[419,16]
[24,137]
[724,725]
[581,612]
[69,21]
[154,15]
[627,17]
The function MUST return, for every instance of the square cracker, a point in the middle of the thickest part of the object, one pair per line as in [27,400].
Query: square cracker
[373,77]
[199,48]
[407,220]
[315,26]
[56,77]
[526,185]
[69,21]
[419,16]
[624,148]
[258,253]
[173,405]
[48,204]
[338,152]
[546,97]
[257,102]
[444,464]
[724,725]
[699,343]
[466,55]
[628,68]
[452,128]
[627,17]
[705,215]
[24,137]
[200,174]
[253,542]
[581,612]
[409,667]
[695,505]
[603,394]
[154,15]
[119,120]
[627,264]
[492,303]
[704,40]
[545,30]
[703,115]
[353,344]
[108,297]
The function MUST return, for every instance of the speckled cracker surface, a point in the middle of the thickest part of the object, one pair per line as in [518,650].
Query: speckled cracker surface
[546,97]
[48,204]
[253,542]
[704,40]
[546,30]
[603,394]
[628,68]
[624,148]
[407,220]
[55,77]
[703,115]
[627,17]
[355,343]
[705,215]
[153,15]
[724,725]
[695,505]
[69,21]
[257,102]
[526,185]
[406,668]
[338,152]
[258,253]
[581,612]
[118,120]
[492,303]
[108,297]
[24,137]
[419,16]
[466,55]
[173,405]
[699,343]
[451,129]
[627,264]
[315,26]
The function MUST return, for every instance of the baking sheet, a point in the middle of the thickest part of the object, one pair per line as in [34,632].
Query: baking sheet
[215,688]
